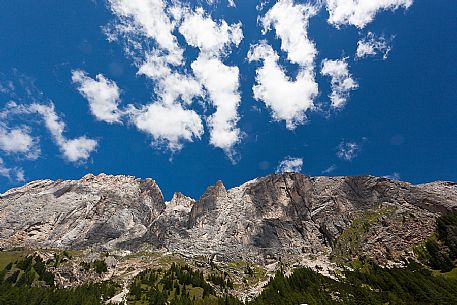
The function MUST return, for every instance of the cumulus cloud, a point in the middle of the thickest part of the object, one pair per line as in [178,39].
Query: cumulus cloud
[288,99]
[19,141]
[73,150]
[371,45]
[102,95]
[168,123]
[175,87]
[211,37]
[290,22]
[149,29]
[341,80]
[164,119]
[360,12]
[347,151]
[13,174]
[150,19]
[290,164]
[170,86]
[221,82]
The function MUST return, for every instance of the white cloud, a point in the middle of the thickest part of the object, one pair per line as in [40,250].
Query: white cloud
[169,123]
[165,119]
[73,150]
[290,22]
[288,99]
[372,45]
[230,3]
[290,164]
[347,150]
[102,95]
[360,12]
[148,18]
[174,86]
[16,173]
[393,176]
[222,83]
[329,169]
[19,174]
[19,141]
[170,86]
[211,37]
[341,80]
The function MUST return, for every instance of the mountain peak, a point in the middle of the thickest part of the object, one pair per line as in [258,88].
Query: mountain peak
[262,219]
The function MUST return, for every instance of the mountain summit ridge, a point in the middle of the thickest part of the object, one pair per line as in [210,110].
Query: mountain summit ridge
[261,220]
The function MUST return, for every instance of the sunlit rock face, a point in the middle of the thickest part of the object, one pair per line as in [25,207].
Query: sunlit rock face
[96,210]
[263,219]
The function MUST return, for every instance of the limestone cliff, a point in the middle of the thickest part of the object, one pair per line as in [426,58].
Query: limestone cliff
[261,220]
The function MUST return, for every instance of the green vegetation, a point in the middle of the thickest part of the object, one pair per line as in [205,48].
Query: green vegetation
[349,244]
[7,257]
[253,273]
[222,280]
[26,271]
[179,285]
[88,294]
[27,279]
[439,251]
[98,266]
[371,285]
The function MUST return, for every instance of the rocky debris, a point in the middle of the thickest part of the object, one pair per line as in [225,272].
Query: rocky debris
[262,220]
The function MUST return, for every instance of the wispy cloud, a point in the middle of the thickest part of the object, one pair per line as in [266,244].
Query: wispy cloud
[347,151]
[393,176]
[290,164]
[329,169]
[12,174]
[74,150]
[371,45]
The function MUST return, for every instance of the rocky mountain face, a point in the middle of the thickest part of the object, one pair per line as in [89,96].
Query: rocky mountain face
[262,220]
[96,210]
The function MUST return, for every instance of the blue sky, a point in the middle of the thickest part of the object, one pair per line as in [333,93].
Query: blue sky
[191,92]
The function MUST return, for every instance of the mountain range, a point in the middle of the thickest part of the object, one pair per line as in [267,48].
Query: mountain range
[334,218]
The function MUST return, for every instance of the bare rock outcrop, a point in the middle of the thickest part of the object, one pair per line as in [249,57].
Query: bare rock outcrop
[98,210]
[263,219]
